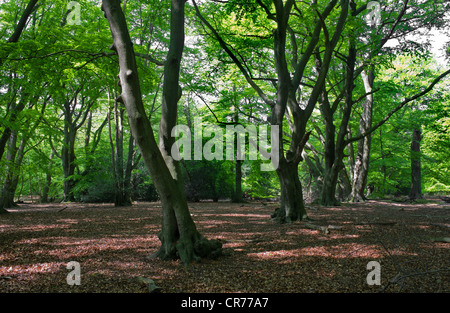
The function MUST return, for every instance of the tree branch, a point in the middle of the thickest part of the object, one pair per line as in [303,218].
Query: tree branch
[233,57]
[398,107]
[23,21]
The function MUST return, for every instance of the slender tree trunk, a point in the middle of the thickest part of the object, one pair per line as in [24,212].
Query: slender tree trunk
[179,236]
[287,88]
[119,198]
[362,158]
[128,171]
[416,173]
[23,21]
[383,166]
[48,180]
[237,196]
[68,159]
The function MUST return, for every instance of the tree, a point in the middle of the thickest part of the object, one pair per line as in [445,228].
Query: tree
[408,17]
[15,154]
[338,100]
[179,236]
[122,177]
[416,169]
[286,91]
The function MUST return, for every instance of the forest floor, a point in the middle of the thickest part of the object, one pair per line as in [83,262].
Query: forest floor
[37,241]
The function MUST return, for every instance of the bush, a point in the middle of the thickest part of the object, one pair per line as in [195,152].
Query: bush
[206,180]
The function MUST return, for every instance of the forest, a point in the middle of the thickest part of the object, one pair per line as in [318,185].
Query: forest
[224,146]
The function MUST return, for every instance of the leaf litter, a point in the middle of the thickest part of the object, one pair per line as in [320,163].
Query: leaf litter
[111,245]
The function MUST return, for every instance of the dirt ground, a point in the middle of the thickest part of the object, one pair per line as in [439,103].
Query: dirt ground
[328,253]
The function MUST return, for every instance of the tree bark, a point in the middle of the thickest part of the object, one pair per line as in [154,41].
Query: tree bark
[68,155]
[31,6]
[416,173]
[11,118]
[75,115]
[119,194]
[179,236]
[121,188]
[237,195]
[14,157]
[329,175]
[48,180]
[362,158]
[8,190]
[128,171]
[334,145]
[292,207]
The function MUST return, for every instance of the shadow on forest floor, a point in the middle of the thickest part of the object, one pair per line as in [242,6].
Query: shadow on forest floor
[37,242]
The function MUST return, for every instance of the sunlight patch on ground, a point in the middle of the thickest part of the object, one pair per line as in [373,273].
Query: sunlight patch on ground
[39,227]
[243,215]
[40,268]
[337,252]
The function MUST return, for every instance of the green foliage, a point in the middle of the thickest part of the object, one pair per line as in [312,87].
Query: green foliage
[52,60]
[260,184]
[143,188]
[436,147]
[207,180]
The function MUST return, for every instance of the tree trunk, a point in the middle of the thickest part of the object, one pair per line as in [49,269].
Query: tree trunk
[128,171]
[15,157]
[48,180]
[362,158]
[329,174]
[179,236]
[10,120]
[119,194]
[8,190]
[334,150]
[292,207]
[121,197]
[68,159]
[237,196]
[416,173]
[31,6]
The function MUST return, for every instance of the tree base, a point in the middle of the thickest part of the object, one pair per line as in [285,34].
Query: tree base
[189,251]
[280,217]
[330,202]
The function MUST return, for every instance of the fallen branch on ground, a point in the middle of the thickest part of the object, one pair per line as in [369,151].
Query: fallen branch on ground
[324,229]
[376,223]
[63,209]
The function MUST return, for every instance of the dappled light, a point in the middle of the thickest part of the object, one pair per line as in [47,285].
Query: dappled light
[112,246]
[268,146]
